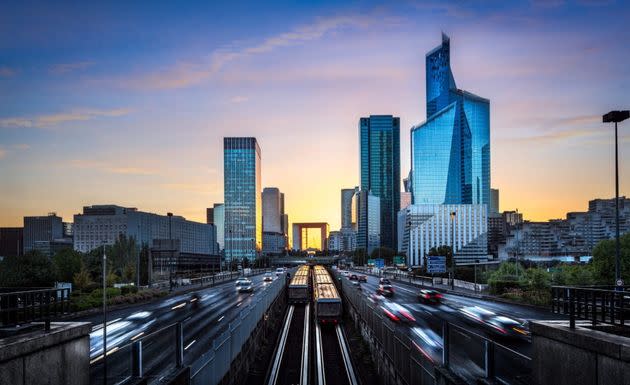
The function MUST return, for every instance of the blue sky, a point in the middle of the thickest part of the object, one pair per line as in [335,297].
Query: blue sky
[128,103]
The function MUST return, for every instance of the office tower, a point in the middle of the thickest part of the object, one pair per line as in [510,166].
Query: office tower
[104,224]
[405,199]
[380,169]
[450,151]
[368,209]
[11,241]
[494,202]
[463,227]
[346,207]
[243,201]
[210,215]
[41,229]
[275,221]
[218,218]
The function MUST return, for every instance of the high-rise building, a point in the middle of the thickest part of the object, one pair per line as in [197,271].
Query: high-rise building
[368,209]
[405,199]
[210,215]
[11,241]
[41,229]
[271,214]
[380,169]
[104,224]
[463,227]
[450,151]
[243,200]
[494,202]
[346,207]
[218,219]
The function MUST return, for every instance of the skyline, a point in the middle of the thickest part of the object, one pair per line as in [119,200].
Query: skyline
[60,95]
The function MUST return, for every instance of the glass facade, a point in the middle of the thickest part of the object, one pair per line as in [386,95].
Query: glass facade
[243,201]
[450,152]
[380,170]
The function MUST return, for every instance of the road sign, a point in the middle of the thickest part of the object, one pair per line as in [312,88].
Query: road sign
[399,260]
[620,282]
[379,262]
[436,264]
[370,262]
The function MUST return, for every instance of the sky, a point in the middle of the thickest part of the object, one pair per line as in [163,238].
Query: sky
[127,102]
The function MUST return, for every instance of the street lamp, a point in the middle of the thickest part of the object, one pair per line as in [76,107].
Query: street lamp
[617,116]
[170,258]
[104,315]
[453,217]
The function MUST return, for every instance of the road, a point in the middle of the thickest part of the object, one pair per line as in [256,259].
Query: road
[466,349]
[204,315]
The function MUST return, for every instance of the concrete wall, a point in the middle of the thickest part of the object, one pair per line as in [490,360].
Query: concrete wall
[58,357]
[580,356]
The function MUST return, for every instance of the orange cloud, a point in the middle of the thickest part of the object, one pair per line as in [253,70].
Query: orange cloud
[44,121]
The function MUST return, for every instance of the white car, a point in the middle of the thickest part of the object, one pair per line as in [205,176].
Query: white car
[268,277]
[244,285]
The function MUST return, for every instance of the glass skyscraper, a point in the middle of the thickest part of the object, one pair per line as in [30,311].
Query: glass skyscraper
[243,202]
[450,152]
[380,170]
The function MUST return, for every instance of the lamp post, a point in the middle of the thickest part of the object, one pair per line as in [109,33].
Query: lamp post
[453,217]
[170,258]
[104,315]
[616,117]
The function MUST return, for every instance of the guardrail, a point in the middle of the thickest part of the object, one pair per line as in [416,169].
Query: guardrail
[593,304]
[22,307]
[462,352]
[164,351]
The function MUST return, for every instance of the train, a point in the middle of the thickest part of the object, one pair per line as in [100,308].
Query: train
[299,287]
[326,299]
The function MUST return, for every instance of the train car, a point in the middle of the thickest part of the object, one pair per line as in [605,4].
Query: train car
[326,299]
[299,286]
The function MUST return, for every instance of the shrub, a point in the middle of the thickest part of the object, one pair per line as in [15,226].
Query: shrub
[501,286]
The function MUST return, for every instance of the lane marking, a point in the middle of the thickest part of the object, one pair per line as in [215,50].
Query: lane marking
[219,320]
[190,344]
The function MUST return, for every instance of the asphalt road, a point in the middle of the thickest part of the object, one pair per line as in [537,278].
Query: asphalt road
[204,316]
[467,355]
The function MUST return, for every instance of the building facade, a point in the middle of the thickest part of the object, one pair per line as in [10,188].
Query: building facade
[405,199]
[243,200]
[275,221]
[41,228]
[104,224]
[368,209]
[301,238]
[218,219]
[11,241]
[493,209]
[380,169]
[450,151]
[463,227]
[347,194]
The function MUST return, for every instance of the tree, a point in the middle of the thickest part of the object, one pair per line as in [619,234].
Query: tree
[359,257]
[604,260]
[67,263]
[82,279]
[32,269]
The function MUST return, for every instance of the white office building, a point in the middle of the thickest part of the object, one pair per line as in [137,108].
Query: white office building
[425,226]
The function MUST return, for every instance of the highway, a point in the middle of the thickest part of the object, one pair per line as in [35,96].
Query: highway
[204,314]
[424,327]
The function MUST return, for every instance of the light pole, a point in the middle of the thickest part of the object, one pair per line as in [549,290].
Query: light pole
[170,258]
[616,117]
[104,315]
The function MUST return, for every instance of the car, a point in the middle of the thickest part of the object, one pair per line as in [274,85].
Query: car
[427,342]
[497,324]
[384,281]
[362,278]
[244,285]
[356,285]
[385,290]
[353,277]
[345,273]
[429,296]
[396,312]
[279,271]
[268,277]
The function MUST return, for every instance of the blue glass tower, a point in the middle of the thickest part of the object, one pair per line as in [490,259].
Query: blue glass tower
[450,152]
[380,171]
[243,202]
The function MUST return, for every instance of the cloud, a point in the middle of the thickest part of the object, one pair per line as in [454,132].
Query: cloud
[44,121]
[185,74]
[108,168]
[21,146]
[565,128]
[239,99]
[197,188]
[6,72]
[449,8]
[59,69]
[3,153]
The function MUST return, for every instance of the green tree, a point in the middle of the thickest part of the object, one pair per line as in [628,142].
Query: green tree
[32,269]
[383,252]
[536,279]
[360,257]
[604,260]
[129,273]
[82,279]
[67,263]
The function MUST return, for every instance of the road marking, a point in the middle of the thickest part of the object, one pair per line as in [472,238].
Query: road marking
[178,306]
[407,290]
[239,304]
[190,344]
[219,320]
[100,326]
[137,335]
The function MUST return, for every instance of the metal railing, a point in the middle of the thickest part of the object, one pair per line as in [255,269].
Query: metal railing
[467,354]
[22,307]
[592,303]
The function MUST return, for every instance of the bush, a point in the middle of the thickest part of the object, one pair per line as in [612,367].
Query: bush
[129,289]
[502,286]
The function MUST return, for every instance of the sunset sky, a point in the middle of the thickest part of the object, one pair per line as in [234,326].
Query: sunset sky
[128,103]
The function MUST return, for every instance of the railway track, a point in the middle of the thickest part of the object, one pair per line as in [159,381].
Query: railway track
[291,360]
[334,366]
